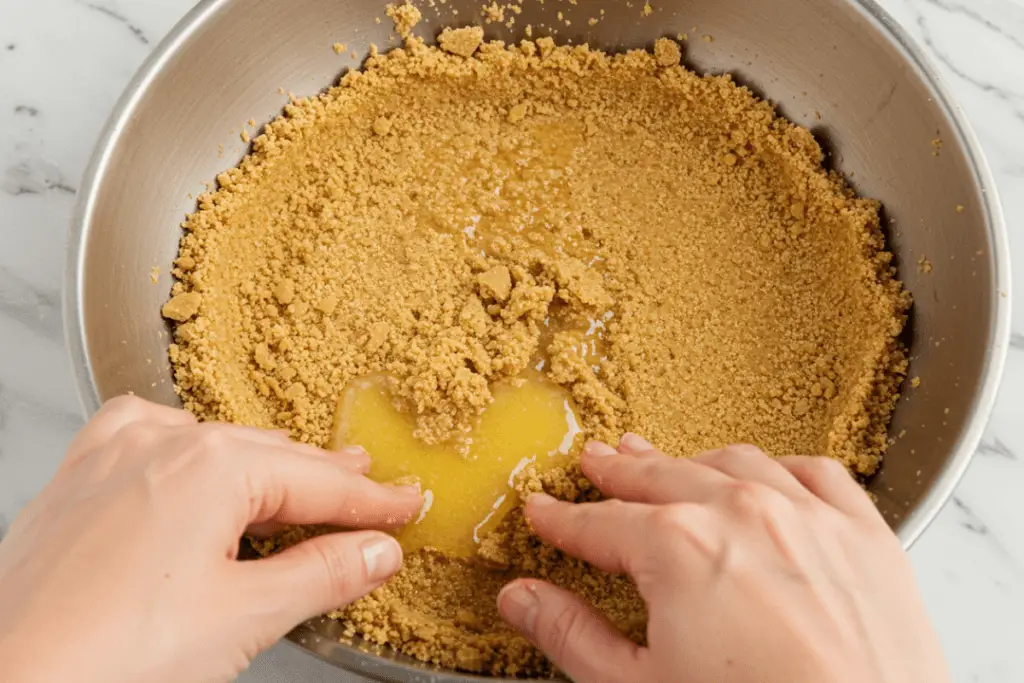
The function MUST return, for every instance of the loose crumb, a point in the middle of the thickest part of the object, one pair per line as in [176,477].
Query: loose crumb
[493,13]
[154,274]
[924,265]
[461,41]
[339,48]
[405,16]
[667,52]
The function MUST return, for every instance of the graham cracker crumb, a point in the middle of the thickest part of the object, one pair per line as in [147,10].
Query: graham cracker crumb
[750,299]
[495,283]
[667,52]
[517,113]
[461,41]
[493,13]
[182,306]
[405,17]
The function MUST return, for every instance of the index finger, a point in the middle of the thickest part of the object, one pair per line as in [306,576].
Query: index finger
[605,534]
[637,539]
[288,485]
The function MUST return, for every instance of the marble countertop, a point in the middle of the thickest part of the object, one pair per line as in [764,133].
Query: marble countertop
[63,64]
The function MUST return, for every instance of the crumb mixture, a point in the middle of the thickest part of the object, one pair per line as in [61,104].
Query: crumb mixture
[660,244]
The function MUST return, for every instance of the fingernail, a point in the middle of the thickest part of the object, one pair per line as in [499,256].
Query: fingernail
[382,557]
[355,451]
[634,443]
[518,604]
[410,489]
[597,449]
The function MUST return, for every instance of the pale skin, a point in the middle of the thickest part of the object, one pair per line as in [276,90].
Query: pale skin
[755,570]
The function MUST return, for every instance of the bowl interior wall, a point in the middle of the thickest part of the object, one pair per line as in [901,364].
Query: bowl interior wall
[824,62]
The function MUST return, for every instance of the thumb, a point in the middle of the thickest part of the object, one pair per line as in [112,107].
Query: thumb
[324,573]
[580,642]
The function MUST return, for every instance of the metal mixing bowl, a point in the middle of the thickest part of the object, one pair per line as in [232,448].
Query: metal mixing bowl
[880,106]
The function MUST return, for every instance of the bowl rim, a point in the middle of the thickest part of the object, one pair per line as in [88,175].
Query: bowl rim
[911,527]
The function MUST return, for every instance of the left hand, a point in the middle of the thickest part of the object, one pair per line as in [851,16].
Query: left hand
[124,569]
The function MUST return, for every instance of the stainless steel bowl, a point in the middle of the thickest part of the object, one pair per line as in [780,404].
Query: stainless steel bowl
[880,107]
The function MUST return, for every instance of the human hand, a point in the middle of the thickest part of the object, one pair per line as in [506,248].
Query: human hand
[754,570]
[124,568]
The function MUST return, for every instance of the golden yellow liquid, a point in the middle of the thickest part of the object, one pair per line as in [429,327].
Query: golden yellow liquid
[466,496]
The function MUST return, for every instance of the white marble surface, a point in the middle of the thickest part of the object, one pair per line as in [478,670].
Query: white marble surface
[64,62]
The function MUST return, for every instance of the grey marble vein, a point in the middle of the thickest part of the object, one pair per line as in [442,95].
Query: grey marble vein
[975,16]
[26,110]
[996,447]
[34,176]
[1011,98]
[11,47]
[973,522]
[120,18]
[35,308]
[11,398]
[1017,340]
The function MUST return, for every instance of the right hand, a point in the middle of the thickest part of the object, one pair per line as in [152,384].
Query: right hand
[754,570]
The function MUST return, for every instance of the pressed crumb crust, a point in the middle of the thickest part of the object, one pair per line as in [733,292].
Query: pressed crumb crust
[670,249]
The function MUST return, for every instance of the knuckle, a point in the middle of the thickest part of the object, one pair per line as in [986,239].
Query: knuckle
[126,403]
[563,632]
[679,533]
[614,506]
[750,499]
[126,408]
[214,438]
[134,436]
[822,472]
[743,450]
[651,456]
[209,447]
[826,468]
[336,569]
[671,520]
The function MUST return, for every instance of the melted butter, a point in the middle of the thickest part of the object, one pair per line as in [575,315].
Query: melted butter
[466,496]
